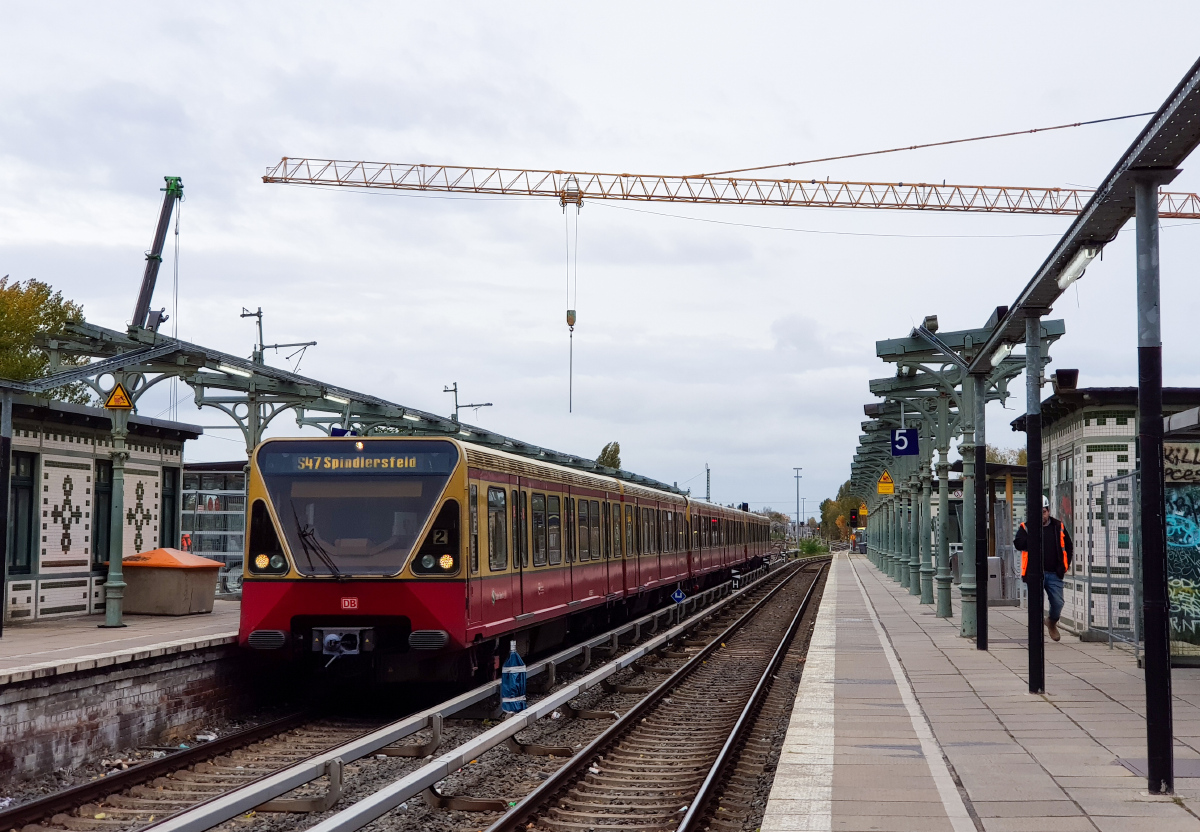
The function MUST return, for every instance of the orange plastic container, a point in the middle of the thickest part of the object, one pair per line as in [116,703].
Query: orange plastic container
[169,582]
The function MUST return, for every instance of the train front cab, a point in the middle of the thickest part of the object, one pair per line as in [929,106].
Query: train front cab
[330,573]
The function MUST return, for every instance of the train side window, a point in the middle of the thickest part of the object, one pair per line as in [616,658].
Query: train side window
[680,529]
[497,533]
[524,530]
[647,546]
[585,547]
[554,529]
[608,530]
[474,521]
[539,529]
[594,526]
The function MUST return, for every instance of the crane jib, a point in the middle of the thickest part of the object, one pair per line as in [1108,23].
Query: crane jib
[575,186]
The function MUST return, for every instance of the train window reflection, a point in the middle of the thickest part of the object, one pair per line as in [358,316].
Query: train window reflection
[497,530]
[539,529]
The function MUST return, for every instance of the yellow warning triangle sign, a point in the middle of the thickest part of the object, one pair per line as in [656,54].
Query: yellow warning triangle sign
[119,399]
[886,486]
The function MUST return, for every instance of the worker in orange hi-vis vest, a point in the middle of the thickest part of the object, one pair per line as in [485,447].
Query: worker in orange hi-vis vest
[1057,553]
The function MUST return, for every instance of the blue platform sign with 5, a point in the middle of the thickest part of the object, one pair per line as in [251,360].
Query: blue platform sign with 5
[904,442]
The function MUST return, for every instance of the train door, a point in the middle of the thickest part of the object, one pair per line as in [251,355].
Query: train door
[499,586]
[558,576]
[571,548]
[474,576]
[612,547]
[632,580]
[648,562]
[596,571]
[519,512]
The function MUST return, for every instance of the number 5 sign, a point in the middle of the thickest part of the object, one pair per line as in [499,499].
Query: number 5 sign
[904,442]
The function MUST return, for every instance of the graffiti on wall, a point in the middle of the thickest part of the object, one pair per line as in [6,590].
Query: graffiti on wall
[1181,462]
[1183,560]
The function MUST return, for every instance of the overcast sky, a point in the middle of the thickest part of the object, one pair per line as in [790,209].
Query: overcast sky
[703,336]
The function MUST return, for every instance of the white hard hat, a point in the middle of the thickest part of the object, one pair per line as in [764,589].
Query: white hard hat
[1045,501]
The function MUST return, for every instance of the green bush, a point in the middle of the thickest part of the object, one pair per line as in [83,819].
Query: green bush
[812,546]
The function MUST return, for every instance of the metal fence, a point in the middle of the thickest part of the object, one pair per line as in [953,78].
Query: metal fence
[1114,574]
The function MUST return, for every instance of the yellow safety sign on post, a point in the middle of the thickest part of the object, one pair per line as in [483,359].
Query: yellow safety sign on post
[885,486]
[119,399]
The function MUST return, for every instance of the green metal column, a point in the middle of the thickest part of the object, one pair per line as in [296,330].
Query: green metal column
[898,543]
[887,536]
[876,529]
[914,554]
[906,540]
[890,547]
[906,570]
[902,571]
[966,448]
[885,555]
[114,584]
[926,554]
[944,576]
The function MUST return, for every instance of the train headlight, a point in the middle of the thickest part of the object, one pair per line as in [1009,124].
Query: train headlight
[271,564]
[446,562]
[427,561]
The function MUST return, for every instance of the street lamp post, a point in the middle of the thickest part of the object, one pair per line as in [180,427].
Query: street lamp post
[797,470]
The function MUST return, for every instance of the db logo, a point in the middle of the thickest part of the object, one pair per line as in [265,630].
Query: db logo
[349,603]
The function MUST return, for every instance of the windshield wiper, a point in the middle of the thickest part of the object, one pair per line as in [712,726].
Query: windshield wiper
[309,542]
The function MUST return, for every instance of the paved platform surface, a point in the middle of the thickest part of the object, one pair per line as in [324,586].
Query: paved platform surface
[65,645]
[900,725]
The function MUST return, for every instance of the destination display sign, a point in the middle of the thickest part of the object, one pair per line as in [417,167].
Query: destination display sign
[359,462]
[361,457]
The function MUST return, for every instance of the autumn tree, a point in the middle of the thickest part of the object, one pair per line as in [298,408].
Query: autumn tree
[29,311]
[1005,456]
[610,455]
[780,522]
[835,513]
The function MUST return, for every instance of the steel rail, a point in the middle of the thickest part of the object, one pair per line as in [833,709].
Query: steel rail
[71,798]
[371,808]
[233,803]
[528,806]
[700,801]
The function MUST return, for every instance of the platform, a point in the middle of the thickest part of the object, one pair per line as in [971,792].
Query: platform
[901,725]
[66,645]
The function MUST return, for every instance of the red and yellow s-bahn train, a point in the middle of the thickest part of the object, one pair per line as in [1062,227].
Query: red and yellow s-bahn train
[423,557]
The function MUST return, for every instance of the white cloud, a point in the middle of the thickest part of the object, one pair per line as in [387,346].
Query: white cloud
[698,341]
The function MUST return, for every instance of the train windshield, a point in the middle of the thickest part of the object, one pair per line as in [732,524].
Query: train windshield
[354,506]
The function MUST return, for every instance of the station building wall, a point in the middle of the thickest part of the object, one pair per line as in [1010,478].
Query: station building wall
[60,501]
[1090,435]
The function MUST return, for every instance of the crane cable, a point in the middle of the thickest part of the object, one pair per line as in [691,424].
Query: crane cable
[175,312]
[572,298]
[922,146]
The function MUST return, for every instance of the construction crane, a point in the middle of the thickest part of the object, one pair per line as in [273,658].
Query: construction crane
[572,187]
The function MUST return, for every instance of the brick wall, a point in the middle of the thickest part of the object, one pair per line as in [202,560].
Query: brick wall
[64,721]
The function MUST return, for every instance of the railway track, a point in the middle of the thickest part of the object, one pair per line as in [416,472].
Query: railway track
[251,770]
[663,764]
